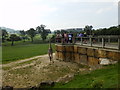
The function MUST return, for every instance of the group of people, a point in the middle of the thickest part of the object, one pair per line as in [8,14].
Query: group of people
[67,37]
[64,38]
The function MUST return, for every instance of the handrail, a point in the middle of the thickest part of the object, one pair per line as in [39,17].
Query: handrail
[90,39]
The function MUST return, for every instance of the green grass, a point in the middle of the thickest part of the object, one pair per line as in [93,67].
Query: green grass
[17,52]
[37,40]
[8,43]
[101,78]
[0,54]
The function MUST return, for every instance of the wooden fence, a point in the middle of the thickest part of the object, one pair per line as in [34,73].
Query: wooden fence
[112,42]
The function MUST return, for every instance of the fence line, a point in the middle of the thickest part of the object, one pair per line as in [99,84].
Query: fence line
[101,41]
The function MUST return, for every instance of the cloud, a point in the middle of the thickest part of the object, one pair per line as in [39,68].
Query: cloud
[119,13]
[107,8]
[76,1]
[115,3]
[19,13]
[102,10]
[22,14]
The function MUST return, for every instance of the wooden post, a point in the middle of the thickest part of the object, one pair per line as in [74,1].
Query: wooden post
[91,41]
[108,40]
[98,40]
[81,41]
[118,43]
[74,40]
[103,42]
[62,40]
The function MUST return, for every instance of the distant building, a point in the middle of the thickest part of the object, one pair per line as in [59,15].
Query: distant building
[73,30]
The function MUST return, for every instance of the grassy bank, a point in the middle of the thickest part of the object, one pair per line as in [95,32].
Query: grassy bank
[101,78]
[13,53]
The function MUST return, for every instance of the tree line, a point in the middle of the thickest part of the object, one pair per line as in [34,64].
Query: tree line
[114,30]
[88,30]
[31,33]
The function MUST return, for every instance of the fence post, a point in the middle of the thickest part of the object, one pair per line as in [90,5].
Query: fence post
[118,43]
[98,40]
[62,40]
[90,41]
[55,40]
[108,40]
[74,40]
[81,41]
[103,42]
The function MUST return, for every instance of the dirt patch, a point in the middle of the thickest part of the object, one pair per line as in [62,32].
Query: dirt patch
[27,74]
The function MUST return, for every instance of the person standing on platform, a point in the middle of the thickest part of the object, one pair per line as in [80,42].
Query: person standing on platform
[65,37]
[70,37]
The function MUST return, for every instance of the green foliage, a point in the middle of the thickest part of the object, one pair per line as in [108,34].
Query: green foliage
[88,29]
[4,35]
[57,32]
[14,37]
[97,84]
[0,55]
[106,77]
[23,34]
[63,31]
[31,32]
[115,30]
[17,52]
[41,30]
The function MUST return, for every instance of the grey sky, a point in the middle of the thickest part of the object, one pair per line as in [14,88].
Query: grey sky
[58,14]
[119,13]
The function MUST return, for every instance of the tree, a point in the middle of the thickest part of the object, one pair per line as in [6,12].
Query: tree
[88,29]
[48,30]
[41,30]
[57,32]
[23,33]
[4,35]
[14,37]
[63,31]
[114,30]
[31,32]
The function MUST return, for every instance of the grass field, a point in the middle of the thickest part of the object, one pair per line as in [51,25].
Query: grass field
[101,78]
[0,54]
[17,52]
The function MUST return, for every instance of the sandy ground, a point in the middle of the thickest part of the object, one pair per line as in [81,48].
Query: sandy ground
[30,72]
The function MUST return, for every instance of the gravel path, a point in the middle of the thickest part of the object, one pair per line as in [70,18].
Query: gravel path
[25,60]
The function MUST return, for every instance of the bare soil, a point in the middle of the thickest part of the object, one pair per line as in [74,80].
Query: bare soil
[30,72]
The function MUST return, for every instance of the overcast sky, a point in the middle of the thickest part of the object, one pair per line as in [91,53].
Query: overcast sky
[58,14]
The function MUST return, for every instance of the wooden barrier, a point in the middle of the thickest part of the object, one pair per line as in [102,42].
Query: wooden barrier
[100,53]
[69,53]
[85,55]
[103,41]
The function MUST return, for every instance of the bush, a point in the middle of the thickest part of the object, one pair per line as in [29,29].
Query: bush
[97,84]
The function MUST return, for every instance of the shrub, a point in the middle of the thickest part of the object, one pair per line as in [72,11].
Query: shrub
[97,84]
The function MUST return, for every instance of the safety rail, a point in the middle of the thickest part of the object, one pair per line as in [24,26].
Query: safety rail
[112,42]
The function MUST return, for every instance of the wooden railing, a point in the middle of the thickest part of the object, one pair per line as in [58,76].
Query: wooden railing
[99,41]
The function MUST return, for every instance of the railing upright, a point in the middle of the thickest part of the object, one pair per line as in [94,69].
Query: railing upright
[81,41]
[74,40]
[118,43]
[90,41]
[103,42]
[109,40]
[98,40]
